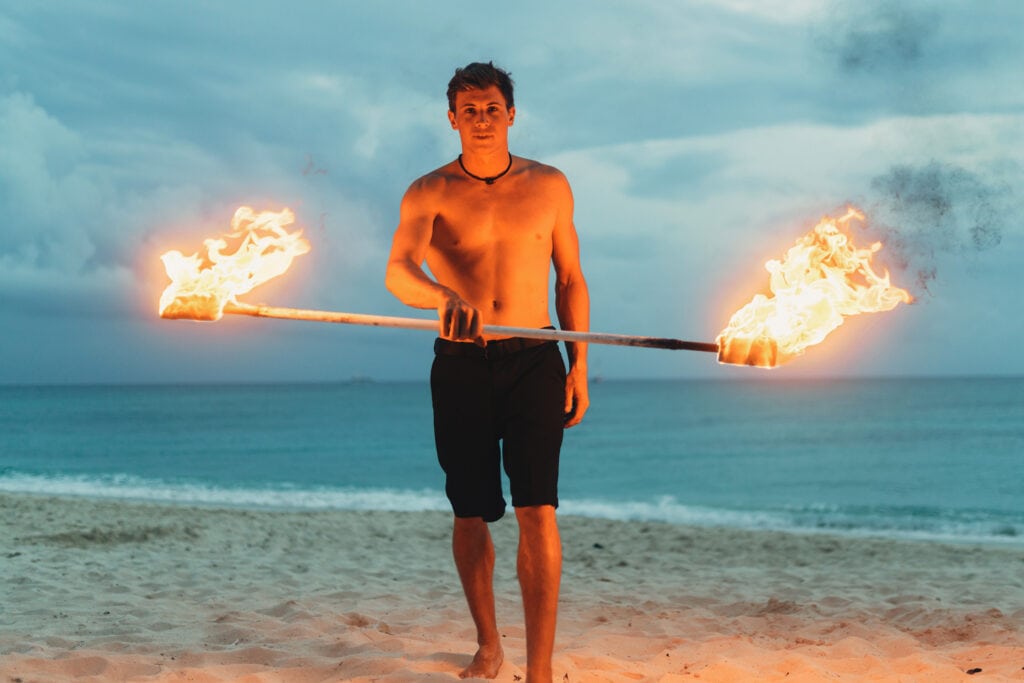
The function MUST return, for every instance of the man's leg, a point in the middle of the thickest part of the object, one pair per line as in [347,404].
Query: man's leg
[474,558]
[540,572]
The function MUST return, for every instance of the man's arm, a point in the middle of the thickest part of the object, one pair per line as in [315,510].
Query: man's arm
[572,304]
[406,279]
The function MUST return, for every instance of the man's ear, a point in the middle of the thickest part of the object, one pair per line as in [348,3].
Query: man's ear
[511,115]
[451,119]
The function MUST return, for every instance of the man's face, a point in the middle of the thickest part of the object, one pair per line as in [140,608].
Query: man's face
[482,119]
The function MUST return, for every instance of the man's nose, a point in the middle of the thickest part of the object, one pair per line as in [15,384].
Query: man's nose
[481,119]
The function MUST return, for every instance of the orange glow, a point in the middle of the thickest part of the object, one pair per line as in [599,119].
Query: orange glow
[821,280]
[201,285]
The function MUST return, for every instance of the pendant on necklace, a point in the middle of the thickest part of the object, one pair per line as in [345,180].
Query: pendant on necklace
[489,179]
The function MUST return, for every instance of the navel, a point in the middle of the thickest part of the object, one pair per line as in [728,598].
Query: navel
[496,305]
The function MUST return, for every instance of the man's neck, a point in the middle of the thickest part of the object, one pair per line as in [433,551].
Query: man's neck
[485,164]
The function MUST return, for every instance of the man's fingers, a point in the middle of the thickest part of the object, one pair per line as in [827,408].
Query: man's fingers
[573,410]
[576,416]
[576,404]
[475,329]
[460,321]
[468,324]
[449,323]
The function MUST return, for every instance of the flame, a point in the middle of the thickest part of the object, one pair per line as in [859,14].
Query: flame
[202,285]
[822,279]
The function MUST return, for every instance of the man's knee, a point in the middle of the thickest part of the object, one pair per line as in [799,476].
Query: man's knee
[536,518]
[472,526]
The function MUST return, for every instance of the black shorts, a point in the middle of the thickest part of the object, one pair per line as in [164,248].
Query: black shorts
[499,406]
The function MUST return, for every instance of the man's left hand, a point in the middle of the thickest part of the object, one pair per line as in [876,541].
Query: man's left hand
[577,400]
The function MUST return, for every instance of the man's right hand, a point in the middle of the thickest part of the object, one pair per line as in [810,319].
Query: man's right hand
[460,321]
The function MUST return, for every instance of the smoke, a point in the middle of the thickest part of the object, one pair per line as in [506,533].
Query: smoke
[922,58]
[924,212]
[881,37]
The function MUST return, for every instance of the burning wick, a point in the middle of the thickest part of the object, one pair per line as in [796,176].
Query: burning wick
[202,286]
[823,279]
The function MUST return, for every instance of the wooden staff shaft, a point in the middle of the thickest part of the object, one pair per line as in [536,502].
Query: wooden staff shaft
[495,330]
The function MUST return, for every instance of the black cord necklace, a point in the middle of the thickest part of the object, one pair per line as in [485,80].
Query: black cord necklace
[490,180]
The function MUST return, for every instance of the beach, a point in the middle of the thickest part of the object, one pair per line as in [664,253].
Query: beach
[104,590]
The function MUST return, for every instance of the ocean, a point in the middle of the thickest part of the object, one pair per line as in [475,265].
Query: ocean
[932,459]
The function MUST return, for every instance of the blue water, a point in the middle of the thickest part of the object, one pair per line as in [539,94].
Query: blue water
[926,458]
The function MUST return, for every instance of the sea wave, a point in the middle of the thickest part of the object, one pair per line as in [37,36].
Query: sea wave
[931,524]
[912,523]
[279,496]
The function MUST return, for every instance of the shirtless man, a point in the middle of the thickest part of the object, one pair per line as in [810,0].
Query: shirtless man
[489,225]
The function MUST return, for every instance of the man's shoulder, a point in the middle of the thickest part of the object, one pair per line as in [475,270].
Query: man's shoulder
[539,168]
[433,181]
[543,173]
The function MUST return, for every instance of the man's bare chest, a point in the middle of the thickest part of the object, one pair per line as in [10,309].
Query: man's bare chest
[474,223]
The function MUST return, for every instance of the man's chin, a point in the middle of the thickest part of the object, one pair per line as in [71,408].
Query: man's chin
[482,142]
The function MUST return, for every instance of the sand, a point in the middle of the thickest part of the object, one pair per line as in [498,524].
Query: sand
[122,591]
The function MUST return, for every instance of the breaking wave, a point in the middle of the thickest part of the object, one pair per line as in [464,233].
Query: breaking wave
[909,522]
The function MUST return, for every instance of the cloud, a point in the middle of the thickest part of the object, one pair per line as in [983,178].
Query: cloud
[687,174]
[921,57]
[38,172]
[697,137]
[87,209]
[699,215]
[775,11]
[72,222]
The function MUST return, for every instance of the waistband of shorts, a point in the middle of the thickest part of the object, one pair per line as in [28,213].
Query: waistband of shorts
[495,349]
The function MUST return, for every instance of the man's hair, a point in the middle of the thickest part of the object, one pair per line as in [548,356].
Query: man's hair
[478,76]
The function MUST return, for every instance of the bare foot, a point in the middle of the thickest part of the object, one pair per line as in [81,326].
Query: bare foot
[485,664]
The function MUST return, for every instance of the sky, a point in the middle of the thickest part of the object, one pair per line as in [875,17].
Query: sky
[700,138]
